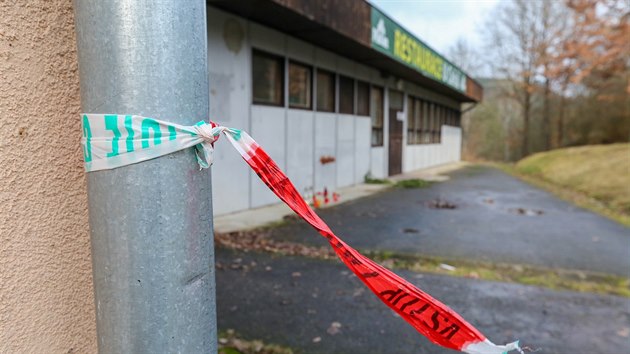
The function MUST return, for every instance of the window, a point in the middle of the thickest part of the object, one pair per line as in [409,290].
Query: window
[457,121]
[439,117]
[435,138]
[325,91]
[411,123]
[376,112]
[346,95]
[431,123]
[363,98]
[300,77]
[414,121]
[426,122]
[268,78]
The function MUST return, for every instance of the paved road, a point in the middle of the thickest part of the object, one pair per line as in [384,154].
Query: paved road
[297,300]
[485,225]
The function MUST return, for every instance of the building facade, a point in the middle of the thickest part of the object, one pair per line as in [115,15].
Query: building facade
[330,115]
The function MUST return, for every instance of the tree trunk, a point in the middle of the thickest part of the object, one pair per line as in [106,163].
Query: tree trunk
[526,109]
[560,127]
[546,115]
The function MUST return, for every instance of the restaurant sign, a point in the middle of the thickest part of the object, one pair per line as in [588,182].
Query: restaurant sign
[391,39]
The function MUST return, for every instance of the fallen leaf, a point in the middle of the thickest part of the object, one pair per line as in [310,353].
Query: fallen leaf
[334,328]
[624,332]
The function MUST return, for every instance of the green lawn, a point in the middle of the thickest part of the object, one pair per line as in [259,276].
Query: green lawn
[595,176]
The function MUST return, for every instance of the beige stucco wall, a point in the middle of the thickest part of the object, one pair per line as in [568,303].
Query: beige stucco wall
[46,301]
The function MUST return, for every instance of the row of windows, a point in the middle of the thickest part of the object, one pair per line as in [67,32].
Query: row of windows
[268,82]
[425,119]
[355,97]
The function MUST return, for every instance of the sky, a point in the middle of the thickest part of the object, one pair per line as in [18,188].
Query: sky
[439,23]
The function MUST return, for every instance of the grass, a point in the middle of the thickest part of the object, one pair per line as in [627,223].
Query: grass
[558,279]
[406,183]
[412,183]
[596,177]
[369,180]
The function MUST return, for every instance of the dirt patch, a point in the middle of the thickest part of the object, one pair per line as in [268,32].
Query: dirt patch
[232,343]
[261,240]
[551,278]
[526,212]
[441,204]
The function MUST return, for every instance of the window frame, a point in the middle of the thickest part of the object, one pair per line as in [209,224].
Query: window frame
[312,84]
[414,131]
[380,129]
[334,95]
[283,67]
[368,97]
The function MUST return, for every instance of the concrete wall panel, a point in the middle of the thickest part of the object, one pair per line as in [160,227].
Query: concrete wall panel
[230,81]
[268,129]
[345,150]
[377,162]
[267,39]
[300,50]
[363,128]
[300,149]
[325,145]
[325,59]
[427,155]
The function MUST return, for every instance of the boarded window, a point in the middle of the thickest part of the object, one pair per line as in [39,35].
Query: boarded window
[346,95]
[376,113]
[268,78]
[363,98]
[300,86]
[325,91]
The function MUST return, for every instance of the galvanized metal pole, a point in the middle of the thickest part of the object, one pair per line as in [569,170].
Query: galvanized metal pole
[150,223]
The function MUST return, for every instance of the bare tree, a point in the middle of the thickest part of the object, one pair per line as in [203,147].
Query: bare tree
[520,36]
[466,57]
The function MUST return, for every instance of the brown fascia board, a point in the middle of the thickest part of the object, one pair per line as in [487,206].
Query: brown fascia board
[343,27]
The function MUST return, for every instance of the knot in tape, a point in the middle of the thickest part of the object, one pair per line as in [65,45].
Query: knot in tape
[209,132]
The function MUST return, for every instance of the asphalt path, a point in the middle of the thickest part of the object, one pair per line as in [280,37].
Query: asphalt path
[316,306]
[496,217]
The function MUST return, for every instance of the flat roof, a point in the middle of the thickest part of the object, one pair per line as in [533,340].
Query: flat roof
[359,31]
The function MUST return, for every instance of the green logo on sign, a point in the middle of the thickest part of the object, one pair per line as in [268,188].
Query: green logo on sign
[391,39]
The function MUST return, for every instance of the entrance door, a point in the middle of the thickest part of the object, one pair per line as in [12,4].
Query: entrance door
[395,132]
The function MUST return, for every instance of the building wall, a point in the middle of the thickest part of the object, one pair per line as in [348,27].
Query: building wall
[296,139]
[46,301]
[426,155]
